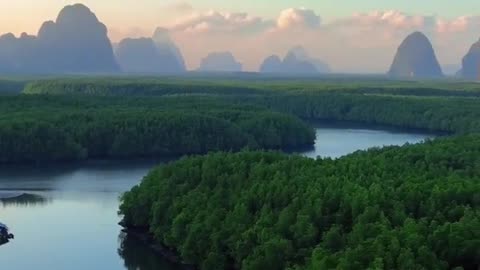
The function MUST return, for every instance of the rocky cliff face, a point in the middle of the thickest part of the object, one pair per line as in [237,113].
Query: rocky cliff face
[76,42]
[471,63]
[220,62]
[415,58]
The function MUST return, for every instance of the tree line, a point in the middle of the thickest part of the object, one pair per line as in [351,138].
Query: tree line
[44,128]
[412,207]
[428,105]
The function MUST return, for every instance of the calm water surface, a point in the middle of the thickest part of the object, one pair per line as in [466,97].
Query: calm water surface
[72,222]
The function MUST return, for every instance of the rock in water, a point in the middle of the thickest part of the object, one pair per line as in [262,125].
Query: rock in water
[272,64]
[416,58]
[220,62]
[76,43]
[471,63]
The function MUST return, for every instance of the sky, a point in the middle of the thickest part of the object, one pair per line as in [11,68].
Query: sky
[351,35]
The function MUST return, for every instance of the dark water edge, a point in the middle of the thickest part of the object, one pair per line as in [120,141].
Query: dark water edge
[146,238]
[358,125]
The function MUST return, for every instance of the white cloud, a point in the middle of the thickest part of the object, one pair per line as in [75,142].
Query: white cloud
[362,42]
[179,7]
[460,24]
[222,22]
[391,18]
[298,17]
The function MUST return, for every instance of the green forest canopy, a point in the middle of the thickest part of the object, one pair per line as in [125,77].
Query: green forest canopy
[44,129]
[412,207]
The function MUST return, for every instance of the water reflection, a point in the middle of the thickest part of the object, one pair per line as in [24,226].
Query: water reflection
[138,256]
[24,200]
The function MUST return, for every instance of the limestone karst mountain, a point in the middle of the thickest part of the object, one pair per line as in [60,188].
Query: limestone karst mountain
[272,64]
[166,46]
[415,58]
[302,55]
[292,64]
[142,55]
[220,62]
[76,42]
[471,63]
[297,61]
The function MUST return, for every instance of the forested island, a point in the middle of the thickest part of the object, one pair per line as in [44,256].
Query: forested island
[412,207]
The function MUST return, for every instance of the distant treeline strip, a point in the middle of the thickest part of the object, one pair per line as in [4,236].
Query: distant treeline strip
[44,129]
[452,115]
[436,109]
[262,85]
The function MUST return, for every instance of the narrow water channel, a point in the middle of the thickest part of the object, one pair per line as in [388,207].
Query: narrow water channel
[70,219]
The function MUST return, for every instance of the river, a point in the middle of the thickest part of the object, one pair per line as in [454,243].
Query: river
[70,219]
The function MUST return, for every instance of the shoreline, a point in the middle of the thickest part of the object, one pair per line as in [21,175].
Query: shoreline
[146,238]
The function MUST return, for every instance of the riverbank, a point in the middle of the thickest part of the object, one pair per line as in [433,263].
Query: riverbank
[6,195]
[146,238]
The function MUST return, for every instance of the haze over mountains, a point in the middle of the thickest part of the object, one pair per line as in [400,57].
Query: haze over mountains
[471,63]
[297,61]
[150,55]
[77,43]
[220,61]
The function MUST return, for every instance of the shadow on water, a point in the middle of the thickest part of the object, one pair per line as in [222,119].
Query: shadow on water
[138,256]
[23,199]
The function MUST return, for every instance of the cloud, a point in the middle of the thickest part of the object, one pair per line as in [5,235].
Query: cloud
[179,7]
[391,18]
[460,24]
[222,22]
[298,17]
[362,42]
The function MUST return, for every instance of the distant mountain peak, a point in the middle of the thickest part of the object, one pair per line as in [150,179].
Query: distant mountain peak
[471,63]
[296,61]
[76,42]
[222,61]
[415,58]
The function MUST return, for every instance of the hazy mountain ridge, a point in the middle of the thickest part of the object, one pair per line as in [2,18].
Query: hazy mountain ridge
[220,62]
[158,54]
[297,61]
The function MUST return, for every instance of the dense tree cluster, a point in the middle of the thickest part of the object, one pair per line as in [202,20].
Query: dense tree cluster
[248,84]
[412,207]
[449,114]
[41,129]
[135,87]
[429,106]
